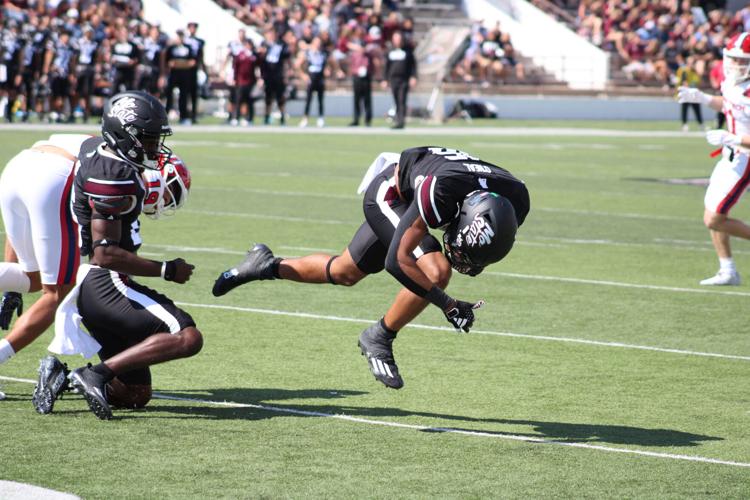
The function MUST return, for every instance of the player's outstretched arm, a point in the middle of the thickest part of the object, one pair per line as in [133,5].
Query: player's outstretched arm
[108,254]
[692,95]
[400,262]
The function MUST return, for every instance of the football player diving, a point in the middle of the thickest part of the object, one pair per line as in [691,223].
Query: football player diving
[479,206]
[41,249]
[134,326]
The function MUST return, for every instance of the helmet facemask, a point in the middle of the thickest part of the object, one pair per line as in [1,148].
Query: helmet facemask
[455,251]
[736,68]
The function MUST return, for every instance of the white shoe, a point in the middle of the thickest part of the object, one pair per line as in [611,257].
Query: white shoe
[723,278]
[244,123]
[233,122]
[321,122]
[685,128]
[2,395]
[303,123]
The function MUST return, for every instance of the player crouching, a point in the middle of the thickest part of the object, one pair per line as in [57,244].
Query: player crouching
[131,326]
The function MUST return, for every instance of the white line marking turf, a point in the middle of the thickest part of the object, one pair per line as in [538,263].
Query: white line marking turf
[445,430]
[275,312]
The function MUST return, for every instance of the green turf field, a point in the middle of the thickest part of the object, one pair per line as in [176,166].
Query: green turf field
[597,369]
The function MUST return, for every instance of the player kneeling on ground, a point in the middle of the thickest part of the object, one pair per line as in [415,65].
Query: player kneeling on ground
[479,206]
[134,326]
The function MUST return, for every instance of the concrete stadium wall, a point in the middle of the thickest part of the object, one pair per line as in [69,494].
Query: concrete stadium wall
[521,107]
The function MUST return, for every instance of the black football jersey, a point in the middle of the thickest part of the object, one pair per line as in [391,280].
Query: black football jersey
[113,186]
[439,179]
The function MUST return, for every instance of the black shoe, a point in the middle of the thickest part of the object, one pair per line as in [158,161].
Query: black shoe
[258,265]
[354,124]
[377,346]
[93,387]
[53,380]
[397,126]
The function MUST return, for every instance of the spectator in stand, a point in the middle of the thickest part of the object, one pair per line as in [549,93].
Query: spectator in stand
[275,57]
[362,70]
[401,74]
[314,65]
[180,62]
[245,66]
[687,76]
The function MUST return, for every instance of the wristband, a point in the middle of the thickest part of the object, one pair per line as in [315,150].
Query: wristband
[439,298]
[168,270]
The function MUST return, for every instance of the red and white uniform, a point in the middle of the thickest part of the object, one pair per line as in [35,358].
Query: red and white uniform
[731,175]
[35,190]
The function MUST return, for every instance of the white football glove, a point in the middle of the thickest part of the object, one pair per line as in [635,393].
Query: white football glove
[723,138]
[687,95]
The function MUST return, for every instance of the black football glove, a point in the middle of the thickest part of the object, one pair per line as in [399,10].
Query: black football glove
[461,315]
[11,301]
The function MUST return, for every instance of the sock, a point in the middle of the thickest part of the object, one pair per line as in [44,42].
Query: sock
[275,267]
[727,265]
[104,371]
[6,351]
[13,279]
[391,333]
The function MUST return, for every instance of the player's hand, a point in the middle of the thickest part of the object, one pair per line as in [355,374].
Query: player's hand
[461,314]
[691,95]
[723,138]
[177,270]
[11,301]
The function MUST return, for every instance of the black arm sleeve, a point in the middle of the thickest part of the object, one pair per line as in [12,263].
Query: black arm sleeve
[391,260]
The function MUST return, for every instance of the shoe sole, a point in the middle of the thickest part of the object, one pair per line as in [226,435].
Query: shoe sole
[102,411]
[363,352]
[43,398]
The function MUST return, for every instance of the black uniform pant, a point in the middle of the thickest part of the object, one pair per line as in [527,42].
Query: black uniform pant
[124,80]
[383,210]
[696,110]
[180,79]
[362,98]
[317,84]
[194,95]
[400,89]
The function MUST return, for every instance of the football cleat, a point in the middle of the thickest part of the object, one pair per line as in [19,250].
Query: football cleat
[52,381]
[723,278]
[258,265]
[377,346]
[2,395]
[93,387]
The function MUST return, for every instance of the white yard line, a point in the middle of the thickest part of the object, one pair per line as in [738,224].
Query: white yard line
[705,290]
[442,430]
[296,314]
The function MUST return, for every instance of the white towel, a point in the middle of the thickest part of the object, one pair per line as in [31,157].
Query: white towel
[383,161]
[70,337]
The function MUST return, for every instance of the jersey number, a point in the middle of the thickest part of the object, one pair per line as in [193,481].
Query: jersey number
[452,154]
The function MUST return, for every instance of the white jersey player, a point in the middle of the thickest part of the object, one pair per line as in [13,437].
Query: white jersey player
[731,175]
[42,238]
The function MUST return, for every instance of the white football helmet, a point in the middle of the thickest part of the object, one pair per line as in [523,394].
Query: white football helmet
[176,184]
[737,59]
[153,201]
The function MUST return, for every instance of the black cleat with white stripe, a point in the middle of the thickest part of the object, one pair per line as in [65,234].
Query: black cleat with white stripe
[93,387]
[257,265]
[52,381]
[377,346]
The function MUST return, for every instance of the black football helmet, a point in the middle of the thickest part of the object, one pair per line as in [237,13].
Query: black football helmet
[134,124]
[483,232]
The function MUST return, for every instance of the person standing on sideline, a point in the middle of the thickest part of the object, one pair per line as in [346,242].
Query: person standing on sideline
[731,175]
[180,61]
[244,65]
[400,74]
[361,65]
[314,62]
[196,46]
[688,77]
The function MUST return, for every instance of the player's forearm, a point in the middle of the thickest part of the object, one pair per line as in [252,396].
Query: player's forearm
[116,259]
[716,103]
